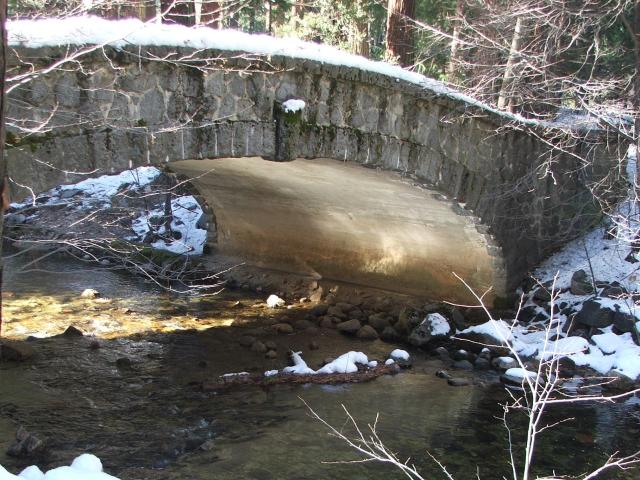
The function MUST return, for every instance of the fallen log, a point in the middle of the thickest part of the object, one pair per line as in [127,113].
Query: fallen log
[363,375]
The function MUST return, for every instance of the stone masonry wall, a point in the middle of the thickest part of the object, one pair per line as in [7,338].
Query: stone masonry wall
[118,109]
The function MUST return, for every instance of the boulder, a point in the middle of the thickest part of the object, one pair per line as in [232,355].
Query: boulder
[379,321]
[283,328]
[15,351]
[433,327]
[503,363]
[593,314]
[350,326]
[367,332]
[624,321]
[581,283]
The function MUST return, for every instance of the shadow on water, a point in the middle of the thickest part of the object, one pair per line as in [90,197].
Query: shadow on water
[145,419]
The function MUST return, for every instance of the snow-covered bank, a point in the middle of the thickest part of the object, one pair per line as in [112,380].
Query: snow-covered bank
[84,467]
[583,306]
[82,202]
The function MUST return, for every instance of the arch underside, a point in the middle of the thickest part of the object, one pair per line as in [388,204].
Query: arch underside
[339,221]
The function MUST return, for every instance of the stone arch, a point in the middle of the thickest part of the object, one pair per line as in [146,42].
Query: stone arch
[133,110]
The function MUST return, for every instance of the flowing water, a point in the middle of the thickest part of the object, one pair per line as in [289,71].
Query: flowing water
[146,418]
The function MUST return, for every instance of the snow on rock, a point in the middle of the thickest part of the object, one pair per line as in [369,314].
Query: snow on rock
[270,373]
[31,473]
[299,367]
[293,105]
[84,467]
[398,354]
[345,363]
[186,213]
[87,462]
[519,375]
[90,30]
[275,301]
[389,361]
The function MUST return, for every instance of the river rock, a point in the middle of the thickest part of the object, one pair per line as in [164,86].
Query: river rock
[350,326]
[482,363]
[379,321]
[271,354]
[367,332]
[15,219]
[258,347]
[271,345]
[337,312]
[458,382]
[443,374]
[581,283]
[302,324]
[593,314]
[283,328]
[15,351]
[389,334]
[89,293]
[313,345]
[461,355]
[26,444]
[345,307]
[327,322]
[357,314]
[503,363]
[246,340]
[319,310]
[463,365]
[433,327]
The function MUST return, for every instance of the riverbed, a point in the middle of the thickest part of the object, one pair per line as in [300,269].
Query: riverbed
[128,391]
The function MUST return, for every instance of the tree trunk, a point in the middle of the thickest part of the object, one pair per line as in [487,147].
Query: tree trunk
[455,41]
[360,33]
[507,79]
[267,16]
[3,164]
[399,37]
[636,84]
[211,14]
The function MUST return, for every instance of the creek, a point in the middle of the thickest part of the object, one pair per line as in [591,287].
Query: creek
[146,419]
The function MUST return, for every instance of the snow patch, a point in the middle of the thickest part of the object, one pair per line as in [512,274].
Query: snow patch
[84,467]
[398,354]
[293,105]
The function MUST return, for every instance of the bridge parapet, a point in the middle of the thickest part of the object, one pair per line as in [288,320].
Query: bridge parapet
[121,108]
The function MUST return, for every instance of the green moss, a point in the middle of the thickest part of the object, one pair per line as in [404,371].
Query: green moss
[32,141]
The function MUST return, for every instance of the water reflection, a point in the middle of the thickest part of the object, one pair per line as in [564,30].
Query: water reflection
[147,420]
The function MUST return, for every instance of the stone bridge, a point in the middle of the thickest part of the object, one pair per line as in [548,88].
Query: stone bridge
[490,196]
